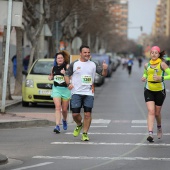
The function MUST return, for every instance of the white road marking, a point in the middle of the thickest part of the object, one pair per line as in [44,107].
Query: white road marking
[97,133]
[33,166]
[139,126]
[109,144]
[121,121]
[103,158]
[97,126]
[139,121]
[101,121]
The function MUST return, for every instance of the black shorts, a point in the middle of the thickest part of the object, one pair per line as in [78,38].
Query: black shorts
[157,96]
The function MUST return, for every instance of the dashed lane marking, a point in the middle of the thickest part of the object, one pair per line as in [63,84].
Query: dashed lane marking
[103,158]
[101,121]
[138,126]
[110,144]
[98,133]
[139,121]
[97,126]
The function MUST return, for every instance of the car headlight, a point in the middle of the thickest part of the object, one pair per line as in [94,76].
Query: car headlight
[29,83]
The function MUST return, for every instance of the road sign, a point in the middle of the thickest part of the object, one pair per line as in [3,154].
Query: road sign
[76,43]
[17,9]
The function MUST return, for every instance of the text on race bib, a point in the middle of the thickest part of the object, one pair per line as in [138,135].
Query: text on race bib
[59,79]
[86,80]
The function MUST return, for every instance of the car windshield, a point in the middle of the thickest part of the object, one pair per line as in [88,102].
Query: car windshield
[96,61]
[42,67]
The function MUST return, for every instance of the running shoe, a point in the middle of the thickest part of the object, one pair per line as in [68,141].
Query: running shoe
[57,129]
[77,130]
[150,138]
[159,133]
[85,137]
[64,124]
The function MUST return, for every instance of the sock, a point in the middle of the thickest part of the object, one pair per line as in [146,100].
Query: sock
[159,127]
[80,125]
[150,132]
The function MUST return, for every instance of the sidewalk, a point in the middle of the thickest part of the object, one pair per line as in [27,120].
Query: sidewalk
[22,120]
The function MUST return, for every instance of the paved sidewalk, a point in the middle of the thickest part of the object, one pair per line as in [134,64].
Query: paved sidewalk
[21,120]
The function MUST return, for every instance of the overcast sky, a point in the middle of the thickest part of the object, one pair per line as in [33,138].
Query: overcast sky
[141,13]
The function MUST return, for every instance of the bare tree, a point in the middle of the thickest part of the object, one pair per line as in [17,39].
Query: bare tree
[18,81]
[33,25]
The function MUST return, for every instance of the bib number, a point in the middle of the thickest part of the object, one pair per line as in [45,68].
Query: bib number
[59,79]
[86,80]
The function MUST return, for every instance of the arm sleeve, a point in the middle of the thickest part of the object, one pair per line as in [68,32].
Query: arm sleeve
[167,77]
[145,73]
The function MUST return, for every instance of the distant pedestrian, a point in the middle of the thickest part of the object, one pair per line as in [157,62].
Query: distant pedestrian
[80,79]
[154,91]
[140,61]
[123,62]
[26,62]
[60,93]
[129,65]
[14,62]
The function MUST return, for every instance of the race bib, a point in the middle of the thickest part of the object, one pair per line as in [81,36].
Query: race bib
[86,80]
[59,79]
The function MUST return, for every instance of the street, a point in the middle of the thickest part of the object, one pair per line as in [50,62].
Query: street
[117,134]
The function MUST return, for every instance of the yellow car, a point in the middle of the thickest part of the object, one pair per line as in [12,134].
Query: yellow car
[37,88]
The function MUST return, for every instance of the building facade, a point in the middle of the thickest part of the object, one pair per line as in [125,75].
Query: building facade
[119,10]
[161,26]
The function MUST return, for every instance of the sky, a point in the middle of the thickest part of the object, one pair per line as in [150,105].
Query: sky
[141,13]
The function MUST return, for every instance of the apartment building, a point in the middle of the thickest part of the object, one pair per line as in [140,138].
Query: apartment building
[162,19]
[119,10]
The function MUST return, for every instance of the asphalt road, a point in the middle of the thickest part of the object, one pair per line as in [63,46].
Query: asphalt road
[117,135]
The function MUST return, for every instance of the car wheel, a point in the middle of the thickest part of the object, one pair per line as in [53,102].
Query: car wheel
[25,104]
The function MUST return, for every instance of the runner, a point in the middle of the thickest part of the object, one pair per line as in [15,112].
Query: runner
[154,92]
[60,93]
[82,72]
[129,65]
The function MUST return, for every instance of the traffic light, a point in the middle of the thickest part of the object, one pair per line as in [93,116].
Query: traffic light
[141,28]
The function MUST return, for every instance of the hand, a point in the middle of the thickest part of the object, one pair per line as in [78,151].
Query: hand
[62,71]
[70,86]
[143,79]
[104,65]
[93,88]
[157,78]
[50,77]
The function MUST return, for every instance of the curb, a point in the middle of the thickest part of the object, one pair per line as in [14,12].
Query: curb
[8,106]
[26,123]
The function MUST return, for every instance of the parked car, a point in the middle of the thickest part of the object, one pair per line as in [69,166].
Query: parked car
[37,88]
[106,58]
[98,80]
[115,60]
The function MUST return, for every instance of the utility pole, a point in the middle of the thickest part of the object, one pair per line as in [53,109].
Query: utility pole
[41,38]
[9,19]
